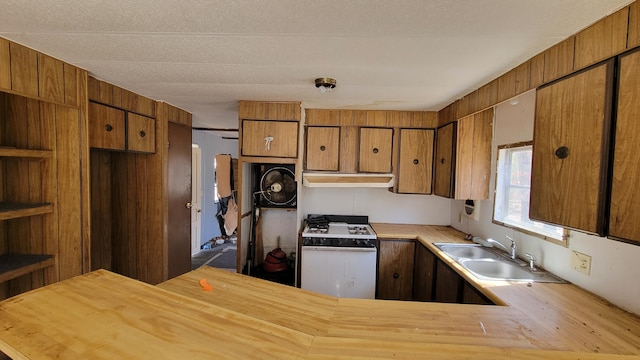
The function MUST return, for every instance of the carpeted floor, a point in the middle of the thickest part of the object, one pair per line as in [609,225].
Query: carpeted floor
[220,256]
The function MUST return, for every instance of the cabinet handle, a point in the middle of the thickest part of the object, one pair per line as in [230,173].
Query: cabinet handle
[396,275]
[442,161]
[323,148]
[562,152]
[415,161]
[142,134]
[108,127]
[375,150]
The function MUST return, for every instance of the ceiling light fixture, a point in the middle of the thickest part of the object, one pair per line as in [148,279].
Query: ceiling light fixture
[325,84]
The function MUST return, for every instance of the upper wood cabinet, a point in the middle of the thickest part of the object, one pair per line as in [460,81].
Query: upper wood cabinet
[376,145]
[141,131]
[463,157]
[444,160]
[571,150]
[116,129]
[106,127]
[625,193]
[323,148]
[270,138]
[395,269]
[416,161]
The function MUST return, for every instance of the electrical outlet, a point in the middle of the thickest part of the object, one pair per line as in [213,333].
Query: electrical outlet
[581,262]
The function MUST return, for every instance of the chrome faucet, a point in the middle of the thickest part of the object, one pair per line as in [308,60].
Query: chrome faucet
[532,261]
[512,252]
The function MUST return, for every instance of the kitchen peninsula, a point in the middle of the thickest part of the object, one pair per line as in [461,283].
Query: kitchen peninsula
[104,315]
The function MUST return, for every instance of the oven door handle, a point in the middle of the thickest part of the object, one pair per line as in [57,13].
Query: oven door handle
[339,248]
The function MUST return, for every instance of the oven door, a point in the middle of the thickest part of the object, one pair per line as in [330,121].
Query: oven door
[348,272]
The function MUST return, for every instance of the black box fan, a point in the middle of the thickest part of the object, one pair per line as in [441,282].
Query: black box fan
[276,185]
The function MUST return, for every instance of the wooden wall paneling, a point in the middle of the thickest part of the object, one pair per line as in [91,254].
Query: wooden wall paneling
[473,102]
[101,211]
[119,186]
[141,227]
[310,116]
[83,103]
[288,111]
[376,118]
[633,32]
[483,97]
[507,85]
[24,69]
[536,71]
[131,197]
[446,115]
[492,93]
[462,105]
[51,237]
[157,209]
[104,93]
[399,118]
[51,78]
[481,166]
[601,40]
[69,202]
[137,103]
[323,117]
[360,118]
[71,88]
[247,109]
[346,117]
[36,180]
[349,140]
[523,77]
[17,189]
[558,60]
[5,65]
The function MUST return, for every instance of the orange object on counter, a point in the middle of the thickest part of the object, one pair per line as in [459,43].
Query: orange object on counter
[205,285]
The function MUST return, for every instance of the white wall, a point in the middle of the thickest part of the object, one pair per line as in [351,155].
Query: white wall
[614,273]
[377,203]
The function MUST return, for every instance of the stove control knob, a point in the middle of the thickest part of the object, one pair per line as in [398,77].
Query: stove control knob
[358,242]
[338,242]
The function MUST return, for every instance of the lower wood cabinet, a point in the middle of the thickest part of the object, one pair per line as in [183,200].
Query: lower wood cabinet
[434,280]
[395,269]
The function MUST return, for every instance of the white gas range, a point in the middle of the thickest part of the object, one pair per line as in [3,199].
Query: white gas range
[338,256]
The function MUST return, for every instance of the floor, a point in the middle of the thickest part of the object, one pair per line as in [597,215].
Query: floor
[221,256]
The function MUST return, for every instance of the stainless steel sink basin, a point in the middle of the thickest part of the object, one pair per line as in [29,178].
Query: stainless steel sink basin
[467,251]
[489,264]
[505,270]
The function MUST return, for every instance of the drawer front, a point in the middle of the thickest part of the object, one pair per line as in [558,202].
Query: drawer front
[106,127]
[141,133]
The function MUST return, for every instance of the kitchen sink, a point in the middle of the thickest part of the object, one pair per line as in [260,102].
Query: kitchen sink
[467,251]
[491,264]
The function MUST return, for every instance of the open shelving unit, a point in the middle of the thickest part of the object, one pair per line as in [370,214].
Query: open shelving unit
[16,265]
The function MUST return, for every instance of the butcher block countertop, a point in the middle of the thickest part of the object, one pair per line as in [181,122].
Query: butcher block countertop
[102,315]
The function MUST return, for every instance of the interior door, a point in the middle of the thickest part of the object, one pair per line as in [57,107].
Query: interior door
[196,199]
[179,221]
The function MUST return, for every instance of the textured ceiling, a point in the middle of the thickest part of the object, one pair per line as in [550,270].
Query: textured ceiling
[204,56]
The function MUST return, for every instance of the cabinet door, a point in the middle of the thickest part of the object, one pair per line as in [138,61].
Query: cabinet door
[395,269]
[470,295]
[448,283]
[625,193]
[444,160]
[141,133]
[323,148]
[424,274]
[106,127]
[416,161]
[283,135]
[375,150]
[571,150]
[473,156]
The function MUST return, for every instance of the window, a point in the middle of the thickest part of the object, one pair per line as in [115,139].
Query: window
[513,185]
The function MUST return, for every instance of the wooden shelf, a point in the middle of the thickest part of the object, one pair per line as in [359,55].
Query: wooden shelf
[24,153]
[14,211]
[15,265]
